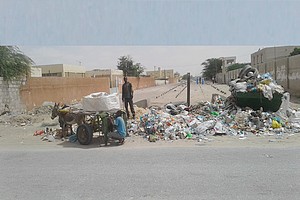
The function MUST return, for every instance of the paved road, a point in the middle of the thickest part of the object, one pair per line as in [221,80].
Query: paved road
[150,173]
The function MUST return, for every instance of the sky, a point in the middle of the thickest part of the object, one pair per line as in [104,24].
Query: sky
[182,59]
[168,33]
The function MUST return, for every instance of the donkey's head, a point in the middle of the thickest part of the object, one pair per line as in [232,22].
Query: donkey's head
[55,111]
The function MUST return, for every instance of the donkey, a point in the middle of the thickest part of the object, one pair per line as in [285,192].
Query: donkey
[66,118]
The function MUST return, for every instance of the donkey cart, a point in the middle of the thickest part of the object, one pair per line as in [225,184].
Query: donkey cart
[101,122]
[94,122]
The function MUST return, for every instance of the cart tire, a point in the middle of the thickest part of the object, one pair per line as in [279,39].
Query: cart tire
[84,134]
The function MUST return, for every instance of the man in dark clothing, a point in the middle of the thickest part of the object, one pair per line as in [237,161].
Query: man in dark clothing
[127,95]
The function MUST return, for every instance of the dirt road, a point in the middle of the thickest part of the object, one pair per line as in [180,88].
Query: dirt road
[172,93]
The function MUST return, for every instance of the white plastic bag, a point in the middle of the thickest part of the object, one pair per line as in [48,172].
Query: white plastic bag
[201,129]
[240,86]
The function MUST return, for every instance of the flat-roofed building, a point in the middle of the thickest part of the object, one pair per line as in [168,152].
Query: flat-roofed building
[62,70]
[269,54]
[161,74]
[226,62]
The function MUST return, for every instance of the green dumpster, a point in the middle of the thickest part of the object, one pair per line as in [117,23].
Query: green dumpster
[256,100]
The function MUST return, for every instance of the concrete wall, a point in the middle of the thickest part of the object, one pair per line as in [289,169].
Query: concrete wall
[294,75]
[138,82]
[58,89]
[173,80]
[226,77]
[141,82]
[9,94]
[25,95]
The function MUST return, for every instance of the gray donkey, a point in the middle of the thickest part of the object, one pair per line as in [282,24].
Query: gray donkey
[66,118]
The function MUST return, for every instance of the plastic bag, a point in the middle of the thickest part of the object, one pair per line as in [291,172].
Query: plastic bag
[201,129]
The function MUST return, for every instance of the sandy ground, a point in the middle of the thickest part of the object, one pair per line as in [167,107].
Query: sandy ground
[19,136]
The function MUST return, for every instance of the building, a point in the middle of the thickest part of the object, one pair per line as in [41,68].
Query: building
[62,70]
[227,61]
[161,74]
[36,72]
[263,56]
[116,76]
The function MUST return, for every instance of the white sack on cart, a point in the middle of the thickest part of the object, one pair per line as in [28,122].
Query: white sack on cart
[101,101]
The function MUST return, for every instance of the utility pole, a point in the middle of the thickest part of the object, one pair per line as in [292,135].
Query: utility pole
[275,67]
[165,76]
[216,69]
[188,89]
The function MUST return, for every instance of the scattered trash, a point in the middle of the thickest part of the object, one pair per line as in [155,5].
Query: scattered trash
[39,132]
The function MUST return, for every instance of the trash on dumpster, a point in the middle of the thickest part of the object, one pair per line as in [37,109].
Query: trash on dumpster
[256,91]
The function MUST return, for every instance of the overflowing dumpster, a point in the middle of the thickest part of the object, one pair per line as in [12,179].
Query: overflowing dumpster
[256,91]
[256,100]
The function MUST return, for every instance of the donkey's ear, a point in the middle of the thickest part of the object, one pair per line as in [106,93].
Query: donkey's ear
[54,103]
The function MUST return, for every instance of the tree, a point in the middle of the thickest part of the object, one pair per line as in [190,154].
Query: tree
[13,63]
[128,67]
[176,74]
[236,66]
[295,52]
[211,66]
[185,76]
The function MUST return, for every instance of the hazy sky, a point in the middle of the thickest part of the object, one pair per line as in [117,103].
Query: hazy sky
[182,59]
[179,34]
[149,22]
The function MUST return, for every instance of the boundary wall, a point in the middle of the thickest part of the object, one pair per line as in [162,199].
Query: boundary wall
[25,95]
[60,89]
[10,95]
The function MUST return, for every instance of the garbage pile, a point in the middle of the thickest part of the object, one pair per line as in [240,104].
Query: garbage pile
[224,116]
[211,119]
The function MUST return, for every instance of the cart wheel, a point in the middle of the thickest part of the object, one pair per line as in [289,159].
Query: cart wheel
[84,134]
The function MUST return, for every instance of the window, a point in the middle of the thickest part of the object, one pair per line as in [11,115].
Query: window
[52,74]
[261,58]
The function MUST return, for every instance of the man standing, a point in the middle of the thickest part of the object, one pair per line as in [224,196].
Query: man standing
[127,95]
[120,132]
